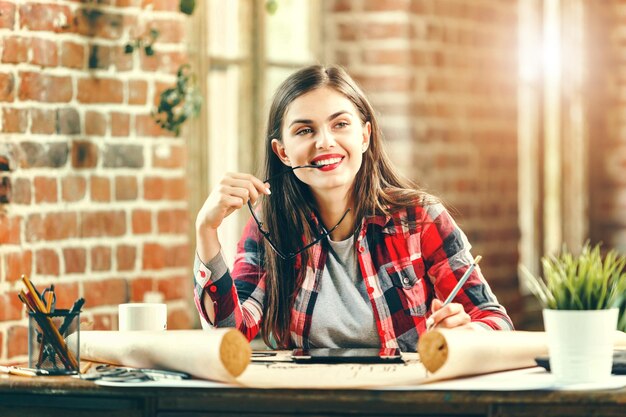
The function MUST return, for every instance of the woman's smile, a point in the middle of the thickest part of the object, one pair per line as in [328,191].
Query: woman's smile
[327,162]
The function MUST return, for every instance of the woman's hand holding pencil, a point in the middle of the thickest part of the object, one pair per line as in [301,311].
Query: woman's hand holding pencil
[448,314]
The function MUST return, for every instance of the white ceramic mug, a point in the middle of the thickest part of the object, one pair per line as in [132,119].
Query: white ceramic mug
[142,316]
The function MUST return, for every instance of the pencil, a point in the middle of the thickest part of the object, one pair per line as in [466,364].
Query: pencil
[430,322]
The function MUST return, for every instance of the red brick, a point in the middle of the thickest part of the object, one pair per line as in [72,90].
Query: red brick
[67,294]
[153,256]
[137,92]
[84,154]
[387,5]
[342,6]
[73,188]
[379,30]
[167,62]
[102,223]
[142,221]
[398,83]
[179,318]
[7,15]
[387,57]
[7,87]
[98,24]
[126,256]
[156,188]
[173,221]
[95,123]
[47,262]
[170,30]
[10,228]
[166,5]
[43,121]
[101,258]
[348,31]
[120,124]
[173,156]
[106,292]
[100,90]
[145,125]
[21,191]
[51,226]
[126,188]
[48,17]
[15,49]
[44,52]
[121,60]
[11,308]
[139,286]
[18,264]
[14,120]
[100,189]
[128,3]
[46,190]
[73,55]
[17,341]
[75,260]
[173,288]
[45,88]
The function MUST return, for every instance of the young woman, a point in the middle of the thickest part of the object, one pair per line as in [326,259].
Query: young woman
[342,252]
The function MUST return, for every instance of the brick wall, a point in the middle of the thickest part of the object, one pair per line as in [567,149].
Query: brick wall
[92,194]
[607,122]
[443,75]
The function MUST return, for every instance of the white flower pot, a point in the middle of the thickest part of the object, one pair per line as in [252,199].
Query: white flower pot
[580,344]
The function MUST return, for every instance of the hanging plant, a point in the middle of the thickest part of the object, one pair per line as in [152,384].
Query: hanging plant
[179,103]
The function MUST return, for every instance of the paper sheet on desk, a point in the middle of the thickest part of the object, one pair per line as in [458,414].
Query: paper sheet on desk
[518,380]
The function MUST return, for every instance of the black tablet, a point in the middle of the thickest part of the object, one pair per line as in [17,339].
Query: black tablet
[347,355]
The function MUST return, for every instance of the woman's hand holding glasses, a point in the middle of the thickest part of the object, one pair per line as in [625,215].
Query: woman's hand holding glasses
[232,193]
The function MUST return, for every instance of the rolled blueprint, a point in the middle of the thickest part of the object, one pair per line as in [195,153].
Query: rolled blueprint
[216,354]
[449,353]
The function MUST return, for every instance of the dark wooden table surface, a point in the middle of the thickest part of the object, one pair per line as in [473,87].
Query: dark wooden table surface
[63,396]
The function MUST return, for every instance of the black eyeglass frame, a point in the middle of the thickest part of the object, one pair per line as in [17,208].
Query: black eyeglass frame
[266,233]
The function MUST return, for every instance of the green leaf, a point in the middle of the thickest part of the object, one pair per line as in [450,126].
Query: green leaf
[271,6]
[580,282]
[187,6]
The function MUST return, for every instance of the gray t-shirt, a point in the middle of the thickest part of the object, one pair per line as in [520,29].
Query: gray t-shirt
[343,315]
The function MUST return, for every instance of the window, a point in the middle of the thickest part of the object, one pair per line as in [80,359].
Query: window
[241,54]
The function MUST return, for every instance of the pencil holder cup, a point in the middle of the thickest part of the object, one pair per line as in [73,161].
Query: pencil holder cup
[49,347]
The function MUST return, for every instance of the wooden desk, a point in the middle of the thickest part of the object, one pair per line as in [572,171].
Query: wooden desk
[48,396]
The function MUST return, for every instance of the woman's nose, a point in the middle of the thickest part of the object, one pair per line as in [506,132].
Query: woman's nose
[325,139]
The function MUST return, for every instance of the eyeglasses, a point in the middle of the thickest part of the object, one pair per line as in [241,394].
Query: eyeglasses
[266,233]
[112,373]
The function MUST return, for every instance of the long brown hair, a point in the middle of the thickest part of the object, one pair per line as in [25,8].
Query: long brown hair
[288,212]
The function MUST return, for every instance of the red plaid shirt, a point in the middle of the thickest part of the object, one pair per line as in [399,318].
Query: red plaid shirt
[406,260]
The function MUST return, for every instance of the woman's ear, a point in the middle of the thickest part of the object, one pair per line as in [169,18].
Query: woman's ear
[367,134]
[279,150]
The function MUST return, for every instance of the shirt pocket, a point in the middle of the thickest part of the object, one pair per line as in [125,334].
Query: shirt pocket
[408,279]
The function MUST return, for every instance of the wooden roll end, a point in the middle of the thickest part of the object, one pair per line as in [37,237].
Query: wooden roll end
[433,350]
[235,352]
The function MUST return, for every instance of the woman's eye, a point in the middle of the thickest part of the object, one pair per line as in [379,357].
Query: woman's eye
[342,124]
[304,131]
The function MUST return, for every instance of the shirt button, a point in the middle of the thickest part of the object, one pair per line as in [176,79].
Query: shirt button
[405,280]
[202,274]
[212,288]
[370,290]
[361,249]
